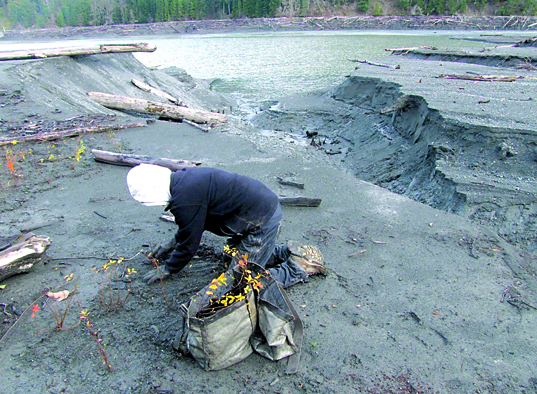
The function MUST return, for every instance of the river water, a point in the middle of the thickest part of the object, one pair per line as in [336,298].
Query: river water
[267,65]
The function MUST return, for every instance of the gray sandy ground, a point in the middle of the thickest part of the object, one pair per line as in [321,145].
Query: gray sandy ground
[416,299]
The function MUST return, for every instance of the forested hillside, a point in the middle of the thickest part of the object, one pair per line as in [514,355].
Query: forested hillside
[52,13]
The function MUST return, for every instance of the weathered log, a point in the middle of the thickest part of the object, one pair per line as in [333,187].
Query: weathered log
[163,110]
[197,126]
[488,78]
[147,88]
[289,182]
[300,201]
[69,133]
[405,51]
[103,48]
[370,63]
[122,159]
[21,256]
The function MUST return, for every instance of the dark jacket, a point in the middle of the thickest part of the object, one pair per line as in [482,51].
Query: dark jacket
[218,201]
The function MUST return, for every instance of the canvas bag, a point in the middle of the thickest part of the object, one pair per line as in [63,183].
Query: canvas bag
[207,339]
[264,322]
[279,333]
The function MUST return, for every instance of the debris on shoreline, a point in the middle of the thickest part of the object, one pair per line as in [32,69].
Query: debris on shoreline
[499,23]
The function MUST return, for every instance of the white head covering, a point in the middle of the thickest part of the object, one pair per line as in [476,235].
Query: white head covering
[150,184]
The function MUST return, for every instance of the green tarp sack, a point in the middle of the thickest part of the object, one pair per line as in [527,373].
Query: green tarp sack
[264,321]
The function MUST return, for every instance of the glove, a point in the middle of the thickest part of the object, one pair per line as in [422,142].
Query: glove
[163,248]
[154,275]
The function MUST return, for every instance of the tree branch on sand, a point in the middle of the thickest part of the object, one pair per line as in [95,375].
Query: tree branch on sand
[55,135]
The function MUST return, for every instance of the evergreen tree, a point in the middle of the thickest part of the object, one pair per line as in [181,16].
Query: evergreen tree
[22,12]
[362,6]
[60,19]
[377,11]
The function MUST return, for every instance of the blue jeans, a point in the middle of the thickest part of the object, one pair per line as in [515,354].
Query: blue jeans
[262,249]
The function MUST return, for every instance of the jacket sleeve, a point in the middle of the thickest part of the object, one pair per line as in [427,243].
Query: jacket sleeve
[191,221]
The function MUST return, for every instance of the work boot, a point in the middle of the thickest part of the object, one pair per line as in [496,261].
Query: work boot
[308,257]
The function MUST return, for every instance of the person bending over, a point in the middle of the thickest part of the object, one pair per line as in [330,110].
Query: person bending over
[226,204]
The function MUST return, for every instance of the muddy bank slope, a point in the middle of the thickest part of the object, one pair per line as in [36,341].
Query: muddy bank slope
[438,126]
[416,299]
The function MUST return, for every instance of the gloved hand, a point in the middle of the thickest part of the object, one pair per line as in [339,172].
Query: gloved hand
[154,275]
[163,248]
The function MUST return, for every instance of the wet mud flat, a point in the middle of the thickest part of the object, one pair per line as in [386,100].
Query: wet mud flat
[418,299]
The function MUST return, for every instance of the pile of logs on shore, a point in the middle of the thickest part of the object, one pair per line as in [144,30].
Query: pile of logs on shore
[313,23]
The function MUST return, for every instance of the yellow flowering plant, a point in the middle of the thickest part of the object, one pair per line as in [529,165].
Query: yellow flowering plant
[113,295]
[238,288]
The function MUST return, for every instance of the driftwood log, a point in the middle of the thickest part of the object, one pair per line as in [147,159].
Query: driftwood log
[300,201]
[488,78]
[122,159]
[54,135]
[370,63]
[103,48]
[406,50]
[289,182]
[166,111]
[22,254]
[197,126]
[157,92]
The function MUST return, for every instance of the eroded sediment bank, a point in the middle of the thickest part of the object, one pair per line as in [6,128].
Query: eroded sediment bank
[455,145]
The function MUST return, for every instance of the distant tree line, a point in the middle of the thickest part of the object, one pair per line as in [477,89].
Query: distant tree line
[50,13]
